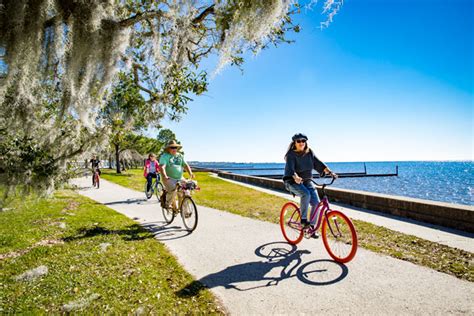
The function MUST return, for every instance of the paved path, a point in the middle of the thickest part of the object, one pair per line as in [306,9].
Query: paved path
[251,270]
[442,235]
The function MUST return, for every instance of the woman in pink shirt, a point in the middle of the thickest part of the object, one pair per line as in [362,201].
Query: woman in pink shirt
[151,170]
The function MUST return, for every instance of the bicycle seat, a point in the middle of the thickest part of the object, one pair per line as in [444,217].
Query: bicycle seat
[294,195]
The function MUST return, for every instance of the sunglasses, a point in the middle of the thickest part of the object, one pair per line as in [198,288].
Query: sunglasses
[299,141]
[173,147]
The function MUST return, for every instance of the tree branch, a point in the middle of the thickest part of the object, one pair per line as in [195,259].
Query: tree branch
[71,154]
[136,80]
[204,14]
[140,17]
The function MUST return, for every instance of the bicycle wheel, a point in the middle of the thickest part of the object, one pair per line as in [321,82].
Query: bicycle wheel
[189,213]
[290,223]
[97,180]
[159,191]
[148,194]
[339,236]
[168,214]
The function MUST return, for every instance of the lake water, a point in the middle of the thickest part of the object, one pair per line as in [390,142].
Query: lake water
[446,181]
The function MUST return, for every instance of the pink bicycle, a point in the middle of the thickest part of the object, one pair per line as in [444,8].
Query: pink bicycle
[337,230]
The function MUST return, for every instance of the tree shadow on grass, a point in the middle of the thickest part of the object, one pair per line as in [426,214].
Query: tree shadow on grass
[130,233]
[281,264]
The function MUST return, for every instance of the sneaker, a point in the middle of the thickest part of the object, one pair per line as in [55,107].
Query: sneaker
[314,235]
[304,223]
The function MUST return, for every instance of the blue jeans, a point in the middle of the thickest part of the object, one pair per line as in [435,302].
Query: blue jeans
[307,192]
[149,178]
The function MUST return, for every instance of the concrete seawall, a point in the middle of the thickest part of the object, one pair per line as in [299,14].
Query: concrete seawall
[444,214]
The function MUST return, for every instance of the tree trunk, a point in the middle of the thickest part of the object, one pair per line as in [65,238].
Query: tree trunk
[110,161]
[117,158]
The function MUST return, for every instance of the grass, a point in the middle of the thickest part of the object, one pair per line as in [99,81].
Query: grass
[134,273]
[223,195]
[132,179]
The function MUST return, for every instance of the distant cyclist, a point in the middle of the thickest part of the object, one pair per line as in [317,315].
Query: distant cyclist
[151,170]
[300,162]
[172,166]
[95,165]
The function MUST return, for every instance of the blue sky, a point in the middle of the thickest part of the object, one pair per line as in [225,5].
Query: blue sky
[388,80]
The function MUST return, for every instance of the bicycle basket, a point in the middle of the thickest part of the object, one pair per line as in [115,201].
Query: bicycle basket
[190,185]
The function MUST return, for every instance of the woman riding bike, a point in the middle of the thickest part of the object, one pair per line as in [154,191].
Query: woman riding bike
[150,170]
[172,164]
[95,164]
[300,162]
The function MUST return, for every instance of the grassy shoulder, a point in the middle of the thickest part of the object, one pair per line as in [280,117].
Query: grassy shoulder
[91,258]
[223,195]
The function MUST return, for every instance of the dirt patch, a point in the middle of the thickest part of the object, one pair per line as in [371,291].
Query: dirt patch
[61,225]
[32,274]
[104,246]
[71,206]
[44,242]
[139,311]
[80,303]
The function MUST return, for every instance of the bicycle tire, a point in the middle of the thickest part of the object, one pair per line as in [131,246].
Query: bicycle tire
[290,223]
[159,191]
[147,193]
[186,215]
[335,244]
[168,215]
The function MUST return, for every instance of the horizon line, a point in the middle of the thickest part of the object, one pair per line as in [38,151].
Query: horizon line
[362,161]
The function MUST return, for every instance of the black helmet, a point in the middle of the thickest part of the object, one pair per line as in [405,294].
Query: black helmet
[299,136]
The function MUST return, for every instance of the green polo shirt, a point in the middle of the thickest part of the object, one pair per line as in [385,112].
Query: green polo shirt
[174,165]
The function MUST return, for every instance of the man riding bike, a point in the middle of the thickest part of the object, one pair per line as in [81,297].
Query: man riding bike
[172,164]
[150,170]
[95,165]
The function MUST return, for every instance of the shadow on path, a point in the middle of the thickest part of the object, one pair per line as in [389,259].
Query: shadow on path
[282,262]
[162,231]
[130,201]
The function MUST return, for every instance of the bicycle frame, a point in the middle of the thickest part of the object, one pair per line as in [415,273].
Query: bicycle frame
[320,211]
[95,175]
[154,183]
[95,171]
[181,193]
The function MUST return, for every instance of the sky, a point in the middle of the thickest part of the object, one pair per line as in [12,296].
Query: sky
[386,81]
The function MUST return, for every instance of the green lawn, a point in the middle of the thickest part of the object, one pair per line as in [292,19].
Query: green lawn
[98,261]
[223,195]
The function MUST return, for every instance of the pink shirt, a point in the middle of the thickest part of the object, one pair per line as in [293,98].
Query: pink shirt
[148,165]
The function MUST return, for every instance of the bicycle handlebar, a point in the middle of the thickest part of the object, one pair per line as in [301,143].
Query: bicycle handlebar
[324,184]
